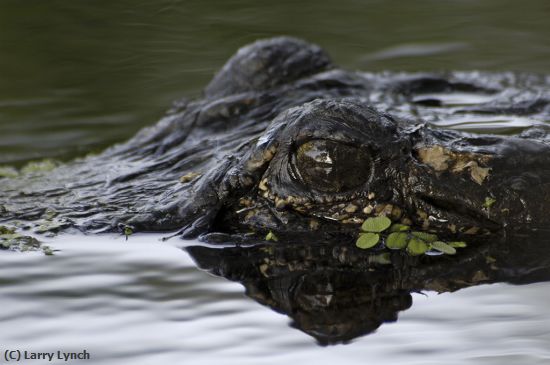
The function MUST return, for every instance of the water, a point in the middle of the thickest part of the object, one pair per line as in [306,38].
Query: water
[144,302]
[76,77]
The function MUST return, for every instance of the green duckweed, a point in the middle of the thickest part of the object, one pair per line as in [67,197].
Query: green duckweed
[417,247]
[36,166]
[6,230]
[397,240]
[400,237]
[47,250]
[457,244]
[271,237]
[376,224]
[8,172]
[443,247]
[489,202]
[128,231]
[397,227]
[424,236]
[367,240]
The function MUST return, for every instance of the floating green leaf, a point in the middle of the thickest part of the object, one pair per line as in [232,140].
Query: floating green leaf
[489,202]
[457,244]
[376,224]
[397,227]
[367,240]
[6,230]
[424,236]
[47,250]
[443,247]
[50,226]
[128,231]
[10,236]
[396,240]
[17,242]
[417,247]
[271,237]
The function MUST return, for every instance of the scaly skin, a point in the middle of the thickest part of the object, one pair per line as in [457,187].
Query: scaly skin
[283,140]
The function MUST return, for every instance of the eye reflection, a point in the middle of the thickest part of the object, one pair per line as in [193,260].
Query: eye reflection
[330,166]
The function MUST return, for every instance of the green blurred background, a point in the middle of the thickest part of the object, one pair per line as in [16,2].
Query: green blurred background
[76,76]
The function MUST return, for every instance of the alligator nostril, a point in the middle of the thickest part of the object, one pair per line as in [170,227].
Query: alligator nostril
[461,210]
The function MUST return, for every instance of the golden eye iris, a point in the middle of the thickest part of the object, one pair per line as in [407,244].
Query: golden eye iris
[330,166]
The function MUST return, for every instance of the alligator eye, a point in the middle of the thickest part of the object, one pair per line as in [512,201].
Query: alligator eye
[331,167]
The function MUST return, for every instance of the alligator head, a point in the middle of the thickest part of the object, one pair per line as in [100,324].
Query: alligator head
[282,140]
[328,165]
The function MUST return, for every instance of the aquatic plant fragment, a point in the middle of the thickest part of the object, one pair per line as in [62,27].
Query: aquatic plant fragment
[376,224]
[417,247]
[489,202]
[367,240]
[397,240]
[443,247]
[271,237]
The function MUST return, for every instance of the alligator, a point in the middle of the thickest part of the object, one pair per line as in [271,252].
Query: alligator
[285,146]
[284,141]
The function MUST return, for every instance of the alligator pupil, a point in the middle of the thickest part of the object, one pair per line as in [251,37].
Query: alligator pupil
[330,166]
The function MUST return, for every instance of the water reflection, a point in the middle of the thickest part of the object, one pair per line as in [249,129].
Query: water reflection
[336,293]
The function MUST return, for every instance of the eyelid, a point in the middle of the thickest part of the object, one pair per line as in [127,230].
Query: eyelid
[335,129]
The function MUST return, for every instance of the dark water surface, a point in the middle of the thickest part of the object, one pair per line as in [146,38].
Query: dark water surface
[77,76]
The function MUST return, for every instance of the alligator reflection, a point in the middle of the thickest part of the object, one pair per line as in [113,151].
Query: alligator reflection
[337,292]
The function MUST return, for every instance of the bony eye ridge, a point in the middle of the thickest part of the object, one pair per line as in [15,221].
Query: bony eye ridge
[330,166]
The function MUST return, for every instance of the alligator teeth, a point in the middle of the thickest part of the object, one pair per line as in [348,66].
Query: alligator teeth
[434,219]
